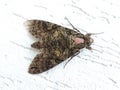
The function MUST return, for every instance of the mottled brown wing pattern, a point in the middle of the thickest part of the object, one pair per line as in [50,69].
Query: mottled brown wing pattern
[42,63]
[57,43]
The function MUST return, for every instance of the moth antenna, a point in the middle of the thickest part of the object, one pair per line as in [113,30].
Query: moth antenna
[82,30]
[71,58]
[72,25]
[94,33]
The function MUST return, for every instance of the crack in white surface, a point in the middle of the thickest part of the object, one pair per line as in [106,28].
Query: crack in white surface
[112,80]
[56,82]
[20,45]
[83,11]
[40,7]
[21,16]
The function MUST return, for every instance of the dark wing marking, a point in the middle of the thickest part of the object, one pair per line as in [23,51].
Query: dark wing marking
[37,45]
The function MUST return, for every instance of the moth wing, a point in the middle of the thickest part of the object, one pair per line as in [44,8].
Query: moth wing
[37,45]
[38,28]
[42,63]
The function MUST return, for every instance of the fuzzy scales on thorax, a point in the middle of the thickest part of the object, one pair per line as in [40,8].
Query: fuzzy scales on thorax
[60,43]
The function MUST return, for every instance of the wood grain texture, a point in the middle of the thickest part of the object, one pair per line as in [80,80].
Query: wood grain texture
[98,69]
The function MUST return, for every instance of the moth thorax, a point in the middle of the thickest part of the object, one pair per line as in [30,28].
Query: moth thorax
[78,40]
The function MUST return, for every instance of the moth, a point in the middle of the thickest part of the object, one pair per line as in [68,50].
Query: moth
[56,43]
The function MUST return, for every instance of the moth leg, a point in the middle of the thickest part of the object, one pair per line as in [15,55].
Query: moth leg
[89,48]
[71,58]
[41,63]
[37,45]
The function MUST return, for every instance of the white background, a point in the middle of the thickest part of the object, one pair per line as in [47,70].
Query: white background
[98,69]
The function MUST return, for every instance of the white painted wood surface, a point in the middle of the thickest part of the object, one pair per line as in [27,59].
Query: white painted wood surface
[98,69]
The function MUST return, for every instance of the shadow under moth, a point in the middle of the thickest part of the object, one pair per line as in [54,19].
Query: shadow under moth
[56,43]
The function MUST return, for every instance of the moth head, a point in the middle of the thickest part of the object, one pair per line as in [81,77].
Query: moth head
[88,40]
[85,41]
